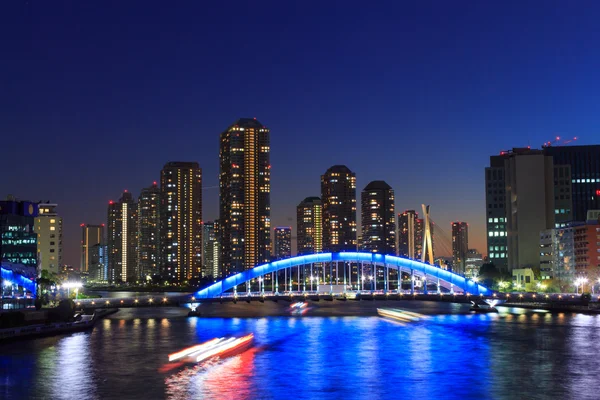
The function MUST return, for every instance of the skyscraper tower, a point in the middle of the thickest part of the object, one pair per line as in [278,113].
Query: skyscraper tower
[48,226]
[283,242]
[245,196]
[181,220]
[309,220]
[460,245]
[149,230]
[338,194]
[122,240]
[378,219]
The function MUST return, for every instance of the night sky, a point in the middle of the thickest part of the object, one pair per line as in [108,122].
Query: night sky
[96,96]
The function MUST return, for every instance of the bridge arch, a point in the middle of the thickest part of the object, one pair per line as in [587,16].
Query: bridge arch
[394,262]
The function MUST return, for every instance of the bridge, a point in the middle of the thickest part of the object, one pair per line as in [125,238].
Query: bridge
[341,273]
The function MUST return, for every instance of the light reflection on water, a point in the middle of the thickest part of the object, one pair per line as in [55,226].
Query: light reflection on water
[503,356]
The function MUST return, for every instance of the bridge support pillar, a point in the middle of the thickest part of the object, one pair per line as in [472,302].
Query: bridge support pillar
[438,286]
[399,271]
[412,281]
[425,284]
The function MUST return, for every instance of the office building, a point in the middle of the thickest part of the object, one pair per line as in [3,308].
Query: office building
[309,222]
[520,203]
[410,235]
[282,243]
[210,250]
[378,218]
[582,179]
[122,240]
[338,195]
[48,226]
[92,236]
[245,196]
[18,239]
[181,221]
[460,246]
[149,231]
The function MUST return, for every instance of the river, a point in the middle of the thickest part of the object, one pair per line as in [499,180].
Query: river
[511,355]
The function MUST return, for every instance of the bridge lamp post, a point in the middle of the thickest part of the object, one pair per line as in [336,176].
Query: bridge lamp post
[362,282]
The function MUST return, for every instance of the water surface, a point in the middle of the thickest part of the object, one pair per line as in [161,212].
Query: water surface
[506,356]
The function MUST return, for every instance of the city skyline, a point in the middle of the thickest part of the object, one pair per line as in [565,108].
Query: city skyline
[457,103]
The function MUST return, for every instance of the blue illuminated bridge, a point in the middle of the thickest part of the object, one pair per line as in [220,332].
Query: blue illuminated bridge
[342,274]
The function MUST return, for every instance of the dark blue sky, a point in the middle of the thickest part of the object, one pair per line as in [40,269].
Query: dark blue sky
[96,96]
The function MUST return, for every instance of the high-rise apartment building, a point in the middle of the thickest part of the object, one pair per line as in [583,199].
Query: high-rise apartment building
[18,238]
[92,247]
[122,240]
[338,195]
[586,246]
[149,231]
[520,197]
[460,246]
[309,222]
[410,235]
[245,196]
[181,220]
[378,218]
[210,250]
[48,226]
[557,255]
[282,242]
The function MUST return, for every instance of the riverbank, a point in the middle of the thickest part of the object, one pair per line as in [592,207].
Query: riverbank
[42,325]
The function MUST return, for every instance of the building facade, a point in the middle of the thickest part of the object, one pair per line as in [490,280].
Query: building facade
[245,196]
[338,195]
[181,221]
[586,245]
[282,242]
[309,223]
[460,246]
[122,240]
[210,251]
[149,231]
[520,196]
[48,226]
[473,263]
[18,238]
[378,218]
[92,236]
